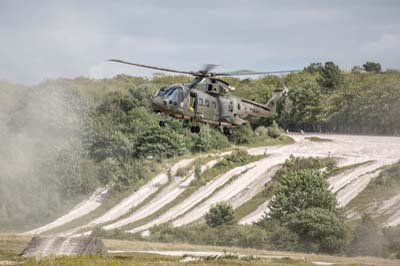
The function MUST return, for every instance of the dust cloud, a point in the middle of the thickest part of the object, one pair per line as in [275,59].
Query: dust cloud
[34,129]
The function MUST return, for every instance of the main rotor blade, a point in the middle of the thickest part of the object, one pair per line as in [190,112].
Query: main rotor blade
[208,67]
[152,67]
[249,72]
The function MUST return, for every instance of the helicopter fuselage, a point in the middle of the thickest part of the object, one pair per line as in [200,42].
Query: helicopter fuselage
[207,104]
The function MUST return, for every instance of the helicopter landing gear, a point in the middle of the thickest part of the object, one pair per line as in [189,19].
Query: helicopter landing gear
[162,123]
[195,129]
[228,131]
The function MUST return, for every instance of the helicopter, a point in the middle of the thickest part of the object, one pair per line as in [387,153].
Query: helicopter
[208,99]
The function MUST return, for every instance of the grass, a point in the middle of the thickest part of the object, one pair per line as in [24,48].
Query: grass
[12,245]
[252,204]
[107,204]
[115,198]
[268,141]
[207,176]
[202,160]
[201,219]
[339,170]
[385,186]
[152,259]
[28,225]
[318,139]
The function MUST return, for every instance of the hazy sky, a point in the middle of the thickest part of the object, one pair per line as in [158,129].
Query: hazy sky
[50,39]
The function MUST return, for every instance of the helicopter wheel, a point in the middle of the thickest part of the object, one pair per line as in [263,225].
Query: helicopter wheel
[162,123]
[228,131]
[195,129]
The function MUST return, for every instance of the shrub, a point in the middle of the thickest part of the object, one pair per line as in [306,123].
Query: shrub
[197,169]
[274,131]
[242,134]
[261,131]
[303,204]
[319,230]
[299,190]
[283,239]
[219,214]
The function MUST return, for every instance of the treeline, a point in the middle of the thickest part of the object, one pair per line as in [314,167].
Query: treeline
[323,98]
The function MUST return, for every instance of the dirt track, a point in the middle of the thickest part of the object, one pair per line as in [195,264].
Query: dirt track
[79,210]
[347,148]
[259,170]
[135,198]
[177,186]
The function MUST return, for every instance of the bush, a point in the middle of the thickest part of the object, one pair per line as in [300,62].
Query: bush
[159,143]
[274,131]
[299,190]
[197,169]
[224,235]
[283,239]
[319,230]
[303,204]
[242,134]
[219,214]
[208,139]
[261,131]
[372,67]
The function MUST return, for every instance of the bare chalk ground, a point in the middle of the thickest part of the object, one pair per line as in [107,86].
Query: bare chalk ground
[349,149]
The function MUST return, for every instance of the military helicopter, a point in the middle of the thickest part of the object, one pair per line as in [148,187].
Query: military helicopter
[208,99]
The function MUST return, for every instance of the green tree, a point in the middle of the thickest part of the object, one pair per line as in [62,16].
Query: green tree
[314,68]
[299,190]
[303,105]
[372,67]
[331,77]
[220,214]
[319,230]
[303,204]
[160,143]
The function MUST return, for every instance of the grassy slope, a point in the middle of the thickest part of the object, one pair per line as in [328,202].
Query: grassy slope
[114,199]
[383,187]
[107,204]
[196,184]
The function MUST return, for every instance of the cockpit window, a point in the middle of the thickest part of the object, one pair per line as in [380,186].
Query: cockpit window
[175,92]
[170,91]
[161,91]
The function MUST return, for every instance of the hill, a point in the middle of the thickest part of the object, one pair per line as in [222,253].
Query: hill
[82,154]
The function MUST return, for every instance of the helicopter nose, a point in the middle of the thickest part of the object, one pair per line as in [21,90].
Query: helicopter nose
[157,103]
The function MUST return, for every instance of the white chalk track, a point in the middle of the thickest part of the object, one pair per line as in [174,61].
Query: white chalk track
[240,184]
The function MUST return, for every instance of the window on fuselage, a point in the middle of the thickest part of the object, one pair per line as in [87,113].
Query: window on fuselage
[214,105]
[180,95]
[230,107]
[207,103]
[161,91]
[201,102]
[169,92]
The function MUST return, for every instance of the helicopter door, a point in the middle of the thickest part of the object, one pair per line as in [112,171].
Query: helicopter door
[193,102]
